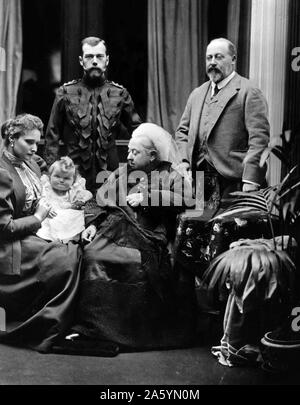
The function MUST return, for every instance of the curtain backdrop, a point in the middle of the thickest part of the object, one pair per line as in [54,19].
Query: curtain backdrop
[10,56]
[81,18]
[269,29]
[177,39]
[238,32]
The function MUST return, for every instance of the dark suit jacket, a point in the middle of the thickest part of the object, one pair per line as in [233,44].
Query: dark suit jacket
[239,129]
[13,226]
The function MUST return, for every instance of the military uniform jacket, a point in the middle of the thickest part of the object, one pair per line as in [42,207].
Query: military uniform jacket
[88,120]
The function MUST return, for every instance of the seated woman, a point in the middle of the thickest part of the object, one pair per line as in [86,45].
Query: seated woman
[130,294]
[38,280]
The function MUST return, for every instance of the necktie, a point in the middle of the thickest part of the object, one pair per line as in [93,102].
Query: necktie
[216,91]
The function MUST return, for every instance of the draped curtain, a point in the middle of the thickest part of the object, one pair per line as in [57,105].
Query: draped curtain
[238,32]
[269,29]
[177,39]
[10,56]
[81,18]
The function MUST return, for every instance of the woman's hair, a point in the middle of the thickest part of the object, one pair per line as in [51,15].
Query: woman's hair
[65,165]
[154,137]
[16,127]
[146,142]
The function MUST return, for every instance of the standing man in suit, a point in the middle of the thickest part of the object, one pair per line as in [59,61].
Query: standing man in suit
[87,115]
[224,128]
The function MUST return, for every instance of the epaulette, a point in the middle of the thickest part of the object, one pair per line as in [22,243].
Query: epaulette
[116,84]
[71,82]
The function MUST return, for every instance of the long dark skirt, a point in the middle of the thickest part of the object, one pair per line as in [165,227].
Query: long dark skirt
[129,292]
[39,303]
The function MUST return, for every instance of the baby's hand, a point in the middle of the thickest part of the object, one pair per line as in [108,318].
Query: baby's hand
[77,205]
[83,196]
[135,199]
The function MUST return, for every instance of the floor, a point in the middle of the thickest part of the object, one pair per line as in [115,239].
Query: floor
[194,366]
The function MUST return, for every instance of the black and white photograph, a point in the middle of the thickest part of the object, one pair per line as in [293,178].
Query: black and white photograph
[149,196]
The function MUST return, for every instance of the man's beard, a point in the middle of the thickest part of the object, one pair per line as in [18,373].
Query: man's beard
[94,80]
[213,73]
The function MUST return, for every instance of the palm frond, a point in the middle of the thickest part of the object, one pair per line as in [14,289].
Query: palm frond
[285,210]
[286,178]
[235,211]
[252,294]
[255,265]
[260,201]
[240,269]
[289,190]
[288,211]
[255,271]
[278,151]
[295,202]
[271,286]
[266,270]
[215,271]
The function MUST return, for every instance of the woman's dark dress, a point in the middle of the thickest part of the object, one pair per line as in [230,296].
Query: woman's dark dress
[130,294]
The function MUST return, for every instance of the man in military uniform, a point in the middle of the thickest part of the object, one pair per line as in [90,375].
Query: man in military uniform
[87,115]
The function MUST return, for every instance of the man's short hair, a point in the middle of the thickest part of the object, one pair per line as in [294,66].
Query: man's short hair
[231,46]
[93,41]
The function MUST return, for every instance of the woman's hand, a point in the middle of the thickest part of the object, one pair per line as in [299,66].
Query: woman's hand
[135,199]
[52,213]
[89,233]
[43,210]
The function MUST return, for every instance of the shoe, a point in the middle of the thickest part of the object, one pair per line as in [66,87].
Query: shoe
[82,346]
[72,336]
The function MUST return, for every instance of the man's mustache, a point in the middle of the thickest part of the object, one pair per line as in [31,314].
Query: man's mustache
[213,69]
[94,68]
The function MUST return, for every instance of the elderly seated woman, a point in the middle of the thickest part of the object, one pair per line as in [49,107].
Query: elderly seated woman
[38,280]
[129,293]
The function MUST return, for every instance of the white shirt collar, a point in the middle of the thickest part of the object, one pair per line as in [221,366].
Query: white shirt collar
[222,83]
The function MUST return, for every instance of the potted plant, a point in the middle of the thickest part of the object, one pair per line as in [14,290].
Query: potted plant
[258,276]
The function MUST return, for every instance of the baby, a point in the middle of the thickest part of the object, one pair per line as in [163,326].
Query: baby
[65,190]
